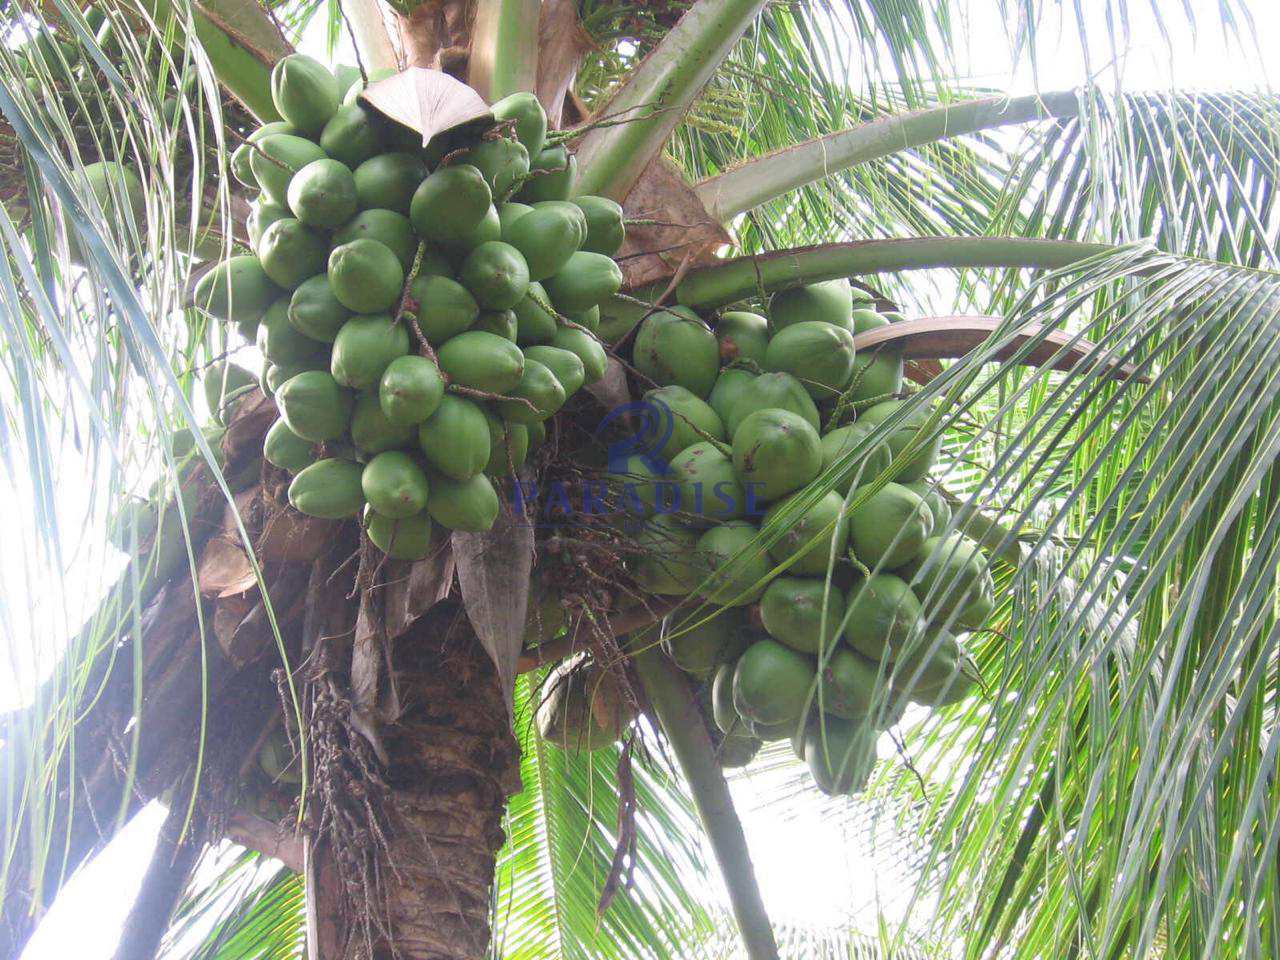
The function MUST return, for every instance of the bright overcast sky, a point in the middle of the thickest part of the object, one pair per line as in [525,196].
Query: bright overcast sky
[821,883]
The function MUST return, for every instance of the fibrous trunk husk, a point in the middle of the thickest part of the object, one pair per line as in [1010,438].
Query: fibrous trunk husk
[414,883]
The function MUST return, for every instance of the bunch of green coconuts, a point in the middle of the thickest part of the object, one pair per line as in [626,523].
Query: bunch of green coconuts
[831,587]
[423,311]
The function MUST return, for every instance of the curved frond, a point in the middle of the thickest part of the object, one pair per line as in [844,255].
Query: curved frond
[561,832]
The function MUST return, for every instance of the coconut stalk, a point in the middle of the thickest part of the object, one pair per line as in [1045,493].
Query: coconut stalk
[369,34]
[658,94]
[758,181]
[732,280]
[504,48]
[242,45]
[678,715]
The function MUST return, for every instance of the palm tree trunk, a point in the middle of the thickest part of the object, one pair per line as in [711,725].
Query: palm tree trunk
[412,879]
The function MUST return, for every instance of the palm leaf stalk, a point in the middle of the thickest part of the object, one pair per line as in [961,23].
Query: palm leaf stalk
[504,48]
[658,93]
[672,702]
[758,181]
[240,41]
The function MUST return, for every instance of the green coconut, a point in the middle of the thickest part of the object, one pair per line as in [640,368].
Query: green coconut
[742,336]
[771,683]
[547,236]
[388,228]
[451,202]
[502,162]
[304,92]
[566,366]
[808,535]
[292,252]
[552,172]
[928,446]
[950,576]
[394,485]
[605,227]
[771,391]
[673,345]
[409,538]
[890,527]
[827,302]
[285,449]
[315,312]
[351,135]
[841,755]
[276,158]
[703,485]
[329,489]
[315,406]
[508,446]
[586,280]
[366,276]
[665,562]
[738,570]
[847,685]
[468,505]
[700,648]
[865,463]
[586,347]
[281,343]
[455,439]
[776,452]
[820,355]
[482,361]
[410,390]
[537,395]
[524,112]
[883,615]
[389,181]
[364,347]
[931,494]
[445,307]
[792,610]
[496,275]
[731,388]
[323,194]
[692,419]
[238,289]
[372,432]
[877,374]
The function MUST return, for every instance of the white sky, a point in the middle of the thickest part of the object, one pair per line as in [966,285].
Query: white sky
[807,876]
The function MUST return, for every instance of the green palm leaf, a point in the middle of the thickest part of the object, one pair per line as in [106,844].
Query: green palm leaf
[561,832]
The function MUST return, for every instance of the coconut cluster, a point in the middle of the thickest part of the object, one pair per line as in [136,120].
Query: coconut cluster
[422,311]
[767,413]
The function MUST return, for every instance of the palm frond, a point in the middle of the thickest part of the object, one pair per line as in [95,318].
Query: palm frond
[561,832]
[101,361]
[1196,172]
[1113,789]
[240,906]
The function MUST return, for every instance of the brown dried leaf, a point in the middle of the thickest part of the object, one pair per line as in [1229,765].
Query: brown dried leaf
[611,389]
[229,615]
[225,570]
[252,416]
[562,46]
[368,655]
[419,587]
[494,569]
[429,102]
[687,231]
[291,537]
[928,339]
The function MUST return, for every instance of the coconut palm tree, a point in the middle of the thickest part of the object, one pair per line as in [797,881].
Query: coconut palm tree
[1104,378]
